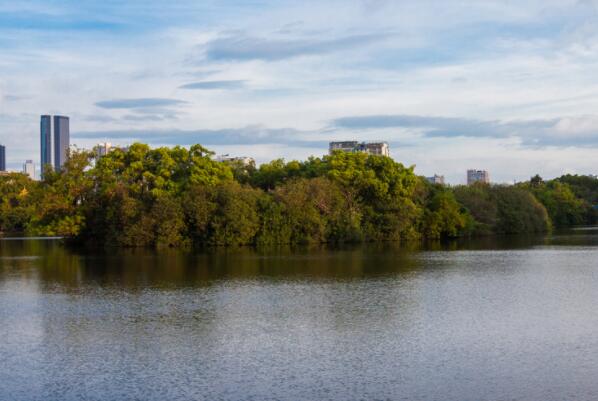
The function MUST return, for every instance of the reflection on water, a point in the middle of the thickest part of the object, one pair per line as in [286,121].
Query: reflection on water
[486,319]
[50,263]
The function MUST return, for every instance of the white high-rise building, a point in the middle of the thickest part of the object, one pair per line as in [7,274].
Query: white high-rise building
[243,160]
[436,179]
[102,149]
[474,176]
[29,169]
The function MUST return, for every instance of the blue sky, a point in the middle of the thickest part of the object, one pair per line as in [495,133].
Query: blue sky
[502,85]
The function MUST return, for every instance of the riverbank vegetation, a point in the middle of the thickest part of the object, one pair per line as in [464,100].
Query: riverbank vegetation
[182,197]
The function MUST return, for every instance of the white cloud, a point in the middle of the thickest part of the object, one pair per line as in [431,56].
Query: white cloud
[585,126]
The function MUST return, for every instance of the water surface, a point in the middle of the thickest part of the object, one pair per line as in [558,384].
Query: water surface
[493,319]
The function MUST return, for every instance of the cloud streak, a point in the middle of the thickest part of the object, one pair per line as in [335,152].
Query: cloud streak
[139,103]
[249,135]
[244,48]
[214,85]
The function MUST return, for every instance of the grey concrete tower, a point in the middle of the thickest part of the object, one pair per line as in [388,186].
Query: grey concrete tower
[61,141]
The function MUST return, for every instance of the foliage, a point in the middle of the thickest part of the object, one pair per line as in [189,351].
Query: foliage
[383,189]
[444,217]
[234,219]
[563,206]
[16,203]
[318,210]
[61,198]
[519,212]
[584,187]
[479,203]
[503,209]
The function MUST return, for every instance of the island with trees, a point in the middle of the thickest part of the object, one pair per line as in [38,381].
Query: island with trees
[182,197]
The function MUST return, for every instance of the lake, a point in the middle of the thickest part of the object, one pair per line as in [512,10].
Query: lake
[512,318]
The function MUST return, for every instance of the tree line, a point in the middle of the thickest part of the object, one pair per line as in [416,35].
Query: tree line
[176,197]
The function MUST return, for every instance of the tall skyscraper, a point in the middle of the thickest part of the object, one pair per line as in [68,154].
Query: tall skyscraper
[45,135]
[61,141]
[29,169]
[2,158]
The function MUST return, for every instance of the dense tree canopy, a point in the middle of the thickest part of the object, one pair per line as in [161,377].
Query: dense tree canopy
[16,202]
[173,197]
[564,207]
[503,209]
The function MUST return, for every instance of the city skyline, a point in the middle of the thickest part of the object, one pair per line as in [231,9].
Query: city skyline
[510,89]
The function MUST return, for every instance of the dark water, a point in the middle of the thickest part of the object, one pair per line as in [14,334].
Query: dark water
[507,319]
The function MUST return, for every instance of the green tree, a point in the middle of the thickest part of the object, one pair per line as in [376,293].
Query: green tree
[478,202]
[235,220]
[319,211]
[275,226]
[518,211]
[16,201]
[270,175]
[503,209]
[62,197]
[444,217]
[564,208]
[383,188]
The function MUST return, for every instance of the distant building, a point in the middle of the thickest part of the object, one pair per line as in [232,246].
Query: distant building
[243,160]
[372,148]
[2,158]
[29,169]
[102,149]
[474,176]
[45,136]
[61,141]
[376,148]
[436,179]
[345,146]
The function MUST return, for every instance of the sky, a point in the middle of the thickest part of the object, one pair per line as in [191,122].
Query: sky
[510,86]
